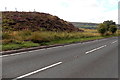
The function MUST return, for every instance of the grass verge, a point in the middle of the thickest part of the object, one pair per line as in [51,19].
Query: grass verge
[13,46]
[28,44]
[14,40]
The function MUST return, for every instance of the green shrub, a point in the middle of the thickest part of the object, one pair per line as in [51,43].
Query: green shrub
[113,28]
[102,29]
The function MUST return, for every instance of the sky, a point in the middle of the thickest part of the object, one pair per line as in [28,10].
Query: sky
[95,11]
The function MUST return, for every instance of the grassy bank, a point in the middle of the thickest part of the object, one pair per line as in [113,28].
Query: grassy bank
[24,39]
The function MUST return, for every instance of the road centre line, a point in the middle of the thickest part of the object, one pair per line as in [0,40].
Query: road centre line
[39,70]
[95,49]
[114,42]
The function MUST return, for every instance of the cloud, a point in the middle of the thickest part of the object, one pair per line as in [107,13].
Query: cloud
[70,10]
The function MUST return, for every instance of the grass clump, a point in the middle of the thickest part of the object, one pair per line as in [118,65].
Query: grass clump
[39,37]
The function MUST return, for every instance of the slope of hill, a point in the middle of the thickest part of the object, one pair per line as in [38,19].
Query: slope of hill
[34,21]
[85,25]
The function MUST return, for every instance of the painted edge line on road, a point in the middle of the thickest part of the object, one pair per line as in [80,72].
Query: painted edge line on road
[48,48]
[24,52]
[95,49]
[42,69]
[12,54]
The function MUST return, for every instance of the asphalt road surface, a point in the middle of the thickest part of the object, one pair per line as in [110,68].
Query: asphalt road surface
[93,59]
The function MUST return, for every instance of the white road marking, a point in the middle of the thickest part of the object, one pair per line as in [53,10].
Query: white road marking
[24,52]
[47,48]
[72,44]
[35,50]
[95,49]
[32,51]
[13,54]
[3,56]
[54,47]
[42,69]
[114,42]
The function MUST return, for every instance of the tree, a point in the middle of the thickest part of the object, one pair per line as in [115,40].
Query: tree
[102,28]
[113,28]
[107,26]
[108,23]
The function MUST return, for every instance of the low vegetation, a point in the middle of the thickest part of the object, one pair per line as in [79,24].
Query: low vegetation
[35,21]
[24,39]
[32,29]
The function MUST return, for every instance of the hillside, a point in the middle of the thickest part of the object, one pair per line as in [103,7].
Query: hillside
[35,21]
[85,25]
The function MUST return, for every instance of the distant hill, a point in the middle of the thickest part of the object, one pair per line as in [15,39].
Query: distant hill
[88,25]
[85,25]
[35,21]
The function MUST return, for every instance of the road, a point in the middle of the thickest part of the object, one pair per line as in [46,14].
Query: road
[93,59]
